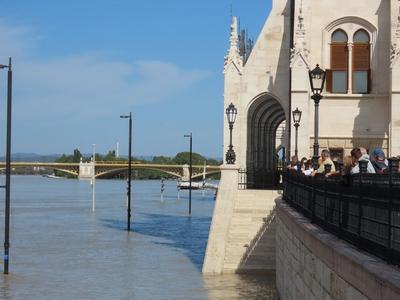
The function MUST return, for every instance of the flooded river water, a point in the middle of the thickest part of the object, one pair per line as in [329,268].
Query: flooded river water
[60,249]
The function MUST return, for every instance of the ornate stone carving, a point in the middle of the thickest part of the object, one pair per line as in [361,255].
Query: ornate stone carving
[233,55]
[300,31]
[397,32]
[394,48]
[394,53]
[300,46]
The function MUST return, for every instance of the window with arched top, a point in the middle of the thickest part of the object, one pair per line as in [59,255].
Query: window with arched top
[337,75]
[350,63]
[339,36]
[361,62]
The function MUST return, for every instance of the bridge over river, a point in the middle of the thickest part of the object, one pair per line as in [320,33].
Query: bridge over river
[104,168]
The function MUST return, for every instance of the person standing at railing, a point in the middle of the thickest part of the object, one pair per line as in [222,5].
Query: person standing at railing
[379,161]
[358,155]
[325,160]
[293,165]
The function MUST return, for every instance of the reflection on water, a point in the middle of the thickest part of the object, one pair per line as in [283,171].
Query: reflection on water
[249,287]
[61,250]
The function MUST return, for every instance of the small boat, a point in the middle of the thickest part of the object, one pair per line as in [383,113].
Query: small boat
[196,185]
[52,176]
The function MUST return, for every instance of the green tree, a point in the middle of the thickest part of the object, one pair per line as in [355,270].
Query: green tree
[110,156]
[184,158]
[77,156]
[162,160]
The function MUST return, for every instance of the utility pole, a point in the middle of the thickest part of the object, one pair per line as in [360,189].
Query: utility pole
[94,179]
[8,168]
[190,173]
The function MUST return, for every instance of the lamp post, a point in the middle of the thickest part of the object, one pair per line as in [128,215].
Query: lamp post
[317,81]
[296,119]
[190,173]
[94,179]
[231,113]
[7,186]
[129,168]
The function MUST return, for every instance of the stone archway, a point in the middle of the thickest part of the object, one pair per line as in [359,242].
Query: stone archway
[265,116]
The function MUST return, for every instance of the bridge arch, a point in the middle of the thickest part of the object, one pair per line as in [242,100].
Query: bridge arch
[68,171]
[121,170]
[265,116]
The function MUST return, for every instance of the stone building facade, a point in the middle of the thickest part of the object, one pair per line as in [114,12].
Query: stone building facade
[358,42]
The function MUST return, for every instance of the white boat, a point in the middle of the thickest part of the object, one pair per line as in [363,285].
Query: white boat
[52,176]
[196,185]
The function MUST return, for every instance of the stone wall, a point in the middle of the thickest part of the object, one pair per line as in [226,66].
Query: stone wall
[313,264]
[242,233]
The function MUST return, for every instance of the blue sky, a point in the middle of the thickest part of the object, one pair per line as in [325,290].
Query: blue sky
[79,65]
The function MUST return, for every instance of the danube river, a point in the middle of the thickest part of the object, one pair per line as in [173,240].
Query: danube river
[60,249]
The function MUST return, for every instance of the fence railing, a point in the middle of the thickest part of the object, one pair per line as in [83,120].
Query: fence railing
[261,179]
[363,209]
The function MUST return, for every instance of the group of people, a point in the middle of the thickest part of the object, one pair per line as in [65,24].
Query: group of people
[375,162]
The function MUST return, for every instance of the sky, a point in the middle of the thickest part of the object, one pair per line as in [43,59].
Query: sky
[78,65]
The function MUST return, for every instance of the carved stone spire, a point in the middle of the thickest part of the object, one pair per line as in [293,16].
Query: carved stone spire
[300,47]
[233,55]
[394,48]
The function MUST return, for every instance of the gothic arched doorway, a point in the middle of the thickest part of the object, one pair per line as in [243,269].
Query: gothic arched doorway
[266,141]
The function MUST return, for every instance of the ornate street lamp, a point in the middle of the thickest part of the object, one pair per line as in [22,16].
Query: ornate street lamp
[296,119]
[129,169]
[231,113]
[317,81]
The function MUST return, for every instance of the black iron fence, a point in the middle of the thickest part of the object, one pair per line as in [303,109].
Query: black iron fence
[261,179]
[363,209]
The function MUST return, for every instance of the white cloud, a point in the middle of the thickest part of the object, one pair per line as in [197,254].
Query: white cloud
[16,41]
[81,82]
[67,102]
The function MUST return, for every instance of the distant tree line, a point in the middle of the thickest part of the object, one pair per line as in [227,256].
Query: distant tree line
[179,159]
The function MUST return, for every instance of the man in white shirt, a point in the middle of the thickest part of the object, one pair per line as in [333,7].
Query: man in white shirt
[360,154]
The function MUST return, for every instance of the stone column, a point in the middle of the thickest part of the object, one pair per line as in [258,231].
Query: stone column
[301,100]
[350,69]
[223,211]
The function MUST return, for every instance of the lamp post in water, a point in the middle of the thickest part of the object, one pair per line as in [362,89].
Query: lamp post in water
[7,186]
[231,113]
[296,119]
[129,168]
[94,179]
[190,173]
[317,81]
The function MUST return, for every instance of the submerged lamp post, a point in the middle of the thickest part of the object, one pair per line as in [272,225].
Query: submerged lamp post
[94,179]
[296,119]
[8,168]
[190,172]
[317,81]
[129,168]
[231,113]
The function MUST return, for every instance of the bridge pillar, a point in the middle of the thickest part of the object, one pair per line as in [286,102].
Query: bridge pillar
[186,173]
[86,170]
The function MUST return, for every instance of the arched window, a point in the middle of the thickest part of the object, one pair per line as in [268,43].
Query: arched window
[336,81]
[361,62]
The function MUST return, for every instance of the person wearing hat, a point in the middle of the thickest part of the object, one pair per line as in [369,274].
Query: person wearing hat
[379,161]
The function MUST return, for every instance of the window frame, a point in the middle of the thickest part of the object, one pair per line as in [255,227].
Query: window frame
[365,68]
[333,67]
[350,25]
